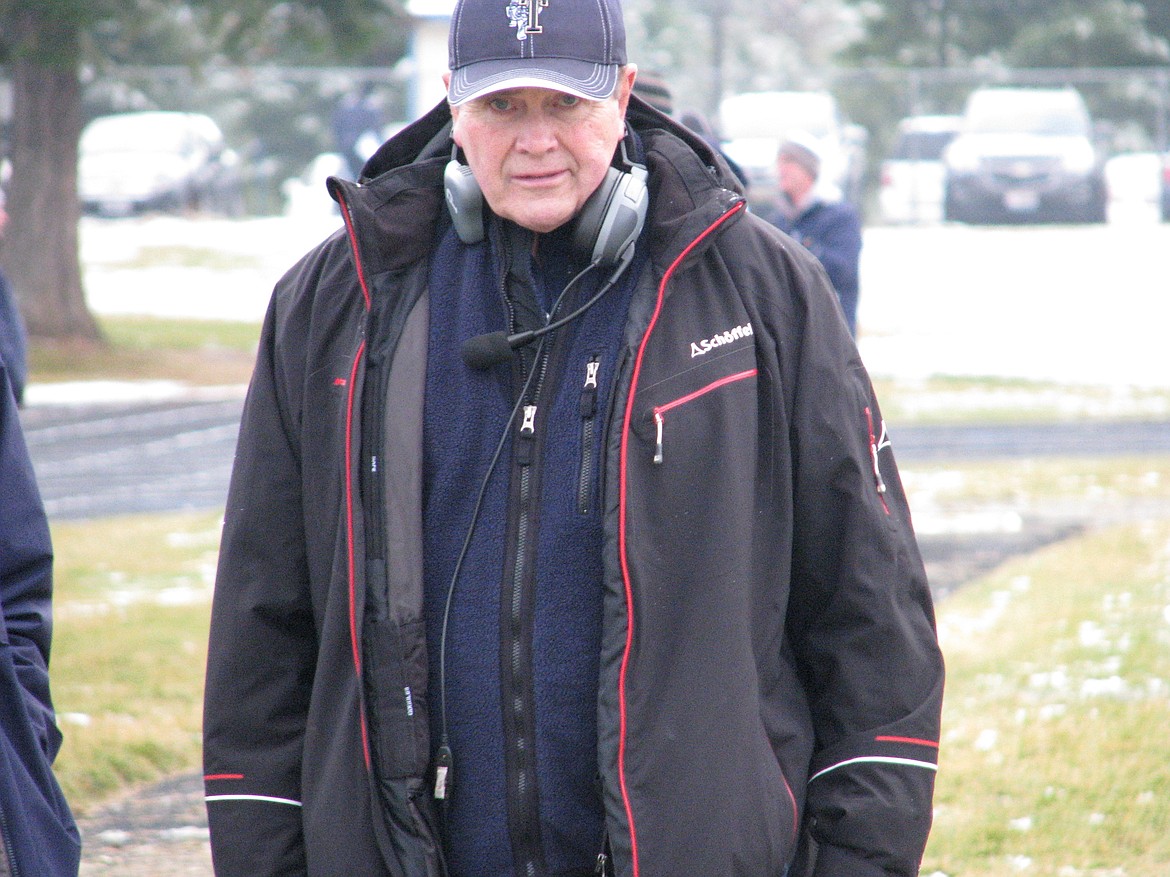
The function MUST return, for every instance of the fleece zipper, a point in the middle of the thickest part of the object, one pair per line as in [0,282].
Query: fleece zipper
[588,408]
[517,604]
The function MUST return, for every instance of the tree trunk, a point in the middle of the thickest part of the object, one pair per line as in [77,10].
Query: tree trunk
[41,251]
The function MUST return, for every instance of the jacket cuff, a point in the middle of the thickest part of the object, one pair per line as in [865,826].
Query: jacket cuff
[840,862]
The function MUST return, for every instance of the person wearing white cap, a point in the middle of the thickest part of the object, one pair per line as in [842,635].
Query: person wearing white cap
[830,230]
[564,537]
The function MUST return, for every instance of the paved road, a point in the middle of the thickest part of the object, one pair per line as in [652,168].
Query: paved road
[95,460]
[108,459]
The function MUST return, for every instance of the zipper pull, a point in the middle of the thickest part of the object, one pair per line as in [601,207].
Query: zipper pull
[444,775]
[658,442]
[528,425]
[589,390]
[527,434]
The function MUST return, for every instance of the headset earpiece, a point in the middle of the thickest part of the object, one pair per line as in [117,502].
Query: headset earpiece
[611,220]
[464,201]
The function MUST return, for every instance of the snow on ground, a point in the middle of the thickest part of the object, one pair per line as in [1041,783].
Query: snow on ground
[205,268]
[1069,304]
[1075,305]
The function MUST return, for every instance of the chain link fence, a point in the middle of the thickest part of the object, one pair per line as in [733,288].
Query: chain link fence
[279,118]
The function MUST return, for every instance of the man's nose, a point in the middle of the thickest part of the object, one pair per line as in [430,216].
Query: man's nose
[537,135]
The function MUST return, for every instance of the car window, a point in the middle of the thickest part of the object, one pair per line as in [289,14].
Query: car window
[921,145]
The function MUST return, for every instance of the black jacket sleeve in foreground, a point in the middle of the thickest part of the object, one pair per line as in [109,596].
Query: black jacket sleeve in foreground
[862,619]
[262,645]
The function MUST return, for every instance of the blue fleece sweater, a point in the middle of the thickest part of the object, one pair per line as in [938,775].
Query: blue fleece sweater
[466,412]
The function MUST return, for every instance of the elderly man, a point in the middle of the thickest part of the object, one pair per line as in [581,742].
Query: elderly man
[564,536]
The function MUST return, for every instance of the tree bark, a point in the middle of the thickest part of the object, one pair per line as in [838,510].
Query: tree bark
[41,252]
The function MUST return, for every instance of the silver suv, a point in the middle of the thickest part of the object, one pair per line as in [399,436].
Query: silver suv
[1024,154]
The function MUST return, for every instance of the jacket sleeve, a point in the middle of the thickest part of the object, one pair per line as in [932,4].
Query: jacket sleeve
[26,573]
[262,642]
[36,828]
[861,617]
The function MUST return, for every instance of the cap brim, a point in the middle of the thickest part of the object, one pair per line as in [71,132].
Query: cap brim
[581,78]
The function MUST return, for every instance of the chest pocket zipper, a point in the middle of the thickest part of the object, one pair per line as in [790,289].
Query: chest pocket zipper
[588,433]
[661,411]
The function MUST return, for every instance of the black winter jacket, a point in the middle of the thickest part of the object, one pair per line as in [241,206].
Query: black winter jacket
[769,671]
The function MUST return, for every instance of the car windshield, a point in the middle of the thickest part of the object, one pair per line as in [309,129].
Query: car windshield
[1027,114]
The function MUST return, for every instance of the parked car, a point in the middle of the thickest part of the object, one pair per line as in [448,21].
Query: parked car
[133,163]
[1025,154]
[912,175]
[754,124]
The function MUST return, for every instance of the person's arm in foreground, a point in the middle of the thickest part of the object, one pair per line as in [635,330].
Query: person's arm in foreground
[36,827]
[862,623]
[262,646]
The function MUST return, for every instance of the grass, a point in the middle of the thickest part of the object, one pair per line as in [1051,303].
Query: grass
[1055,758]
[198,352]
[131,610]
[957,400]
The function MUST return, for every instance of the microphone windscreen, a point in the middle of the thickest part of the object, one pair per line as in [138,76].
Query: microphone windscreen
[484,351]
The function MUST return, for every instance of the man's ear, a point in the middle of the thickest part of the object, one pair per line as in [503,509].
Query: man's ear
[454,110]
[625,86]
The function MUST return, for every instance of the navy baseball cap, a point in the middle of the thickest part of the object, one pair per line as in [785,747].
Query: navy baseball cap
[574,46]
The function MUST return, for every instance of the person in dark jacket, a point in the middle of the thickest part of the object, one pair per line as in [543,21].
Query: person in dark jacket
[830,230]
[13,337]
[564,535]
[38,837]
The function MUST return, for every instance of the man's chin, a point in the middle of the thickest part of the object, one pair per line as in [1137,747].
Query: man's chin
[540,215]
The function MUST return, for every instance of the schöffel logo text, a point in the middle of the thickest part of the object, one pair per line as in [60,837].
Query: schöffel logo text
[698,348]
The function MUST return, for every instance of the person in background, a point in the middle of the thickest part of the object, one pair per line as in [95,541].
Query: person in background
[357,121]
[564,537]
[13,337]
[37,833]
[830,230]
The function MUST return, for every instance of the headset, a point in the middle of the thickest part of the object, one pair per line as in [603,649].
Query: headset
[606,227]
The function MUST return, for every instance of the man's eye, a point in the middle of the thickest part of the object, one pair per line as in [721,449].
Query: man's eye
[569,100]
[500,104]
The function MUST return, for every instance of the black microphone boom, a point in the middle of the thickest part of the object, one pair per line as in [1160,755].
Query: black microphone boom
[484,351]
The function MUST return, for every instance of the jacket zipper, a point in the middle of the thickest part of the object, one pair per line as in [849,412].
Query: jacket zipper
[588,431]
[661,410]
[518,702]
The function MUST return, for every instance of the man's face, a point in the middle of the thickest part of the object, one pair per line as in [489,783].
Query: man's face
[795,181]
[538,154]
